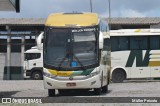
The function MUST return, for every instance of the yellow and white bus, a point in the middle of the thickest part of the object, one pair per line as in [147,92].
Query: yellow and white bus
[74,57]
[135,53]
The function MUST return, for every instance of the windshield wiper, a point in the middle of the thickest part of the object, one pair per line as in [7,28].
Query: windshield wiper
[61,62]
[83,68]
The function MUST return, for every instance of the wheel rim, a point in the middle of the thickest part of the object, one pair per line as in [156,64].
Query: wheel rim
[36,76]
[120,76]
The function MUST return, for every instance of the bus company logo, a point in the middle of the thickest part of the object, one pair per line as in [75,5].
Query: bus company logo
[148,58]
[6,100]
[70,78]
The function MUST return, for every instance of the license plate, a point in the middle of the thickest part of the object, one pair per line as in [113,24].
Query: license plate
[70,84]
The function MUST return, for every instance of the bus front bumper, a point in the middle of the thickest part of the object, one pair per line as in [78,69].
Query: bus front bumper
[92,82]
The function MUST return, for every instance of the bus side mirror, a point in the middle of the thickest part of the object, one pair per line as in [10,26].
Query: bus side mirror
[39,41]
[100,40]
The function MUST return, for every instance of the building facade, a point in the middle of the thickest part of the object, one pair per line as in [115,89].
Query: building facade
[10,5]
[19,35]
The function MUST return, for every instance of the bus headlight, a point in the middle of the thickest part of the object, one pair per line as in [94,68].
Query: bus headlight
[48,75]
[94,73]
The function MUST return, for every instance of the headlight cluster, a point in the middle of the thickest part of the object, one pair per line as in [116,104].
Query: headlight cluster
[94,73]
[48,75]
[53,76]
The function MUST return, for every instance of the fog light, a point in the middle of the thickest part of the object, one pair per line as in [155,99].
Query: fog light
[93,82]
[49,84]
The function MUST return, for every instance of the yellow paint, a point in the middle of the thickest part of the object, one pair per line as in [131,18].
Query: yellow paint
[66,20]
[154,63]
[54,72]
[60,73]
[138,30]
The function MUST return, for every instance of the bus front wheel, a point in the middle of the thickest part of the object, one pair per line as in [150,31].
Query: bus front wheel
[51,92]
[97,91]
[105,89]
[118,76]
[62,91]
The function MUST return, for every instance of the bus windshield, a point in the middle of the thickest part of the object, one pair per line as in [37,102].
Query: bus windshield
[69,49]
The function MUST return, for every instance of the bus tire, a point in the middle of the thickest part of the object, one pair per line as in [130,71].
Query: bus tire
[61,91]
[118,76]
[105,89]
[97,91]
[51,92]
[36,75]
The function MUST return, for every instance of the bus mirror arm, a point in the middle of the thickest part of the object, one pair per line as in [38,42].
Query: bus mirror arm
[39,41]
[101,40]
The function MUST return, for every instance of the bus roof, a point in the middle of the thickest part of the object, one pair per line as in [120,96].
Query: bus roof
[134,32]
[72,19]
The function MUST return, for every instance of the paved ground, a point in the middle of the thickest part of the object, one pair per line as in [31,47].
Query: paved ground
[29,88]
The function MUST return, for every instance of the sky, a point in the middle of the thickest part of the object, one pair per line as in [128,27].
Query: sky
[119,8]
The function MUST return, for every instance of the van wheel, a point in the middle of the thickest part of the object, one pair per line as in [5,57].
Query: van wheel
[105,89]
[36,75]
[118,76]
[97,91]
[51,92]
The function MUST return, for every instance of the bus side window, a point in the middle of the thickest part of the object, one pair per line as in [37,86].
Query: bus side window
[119,43]
[154,42]
[138,43]
[114,44]
[123,43]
